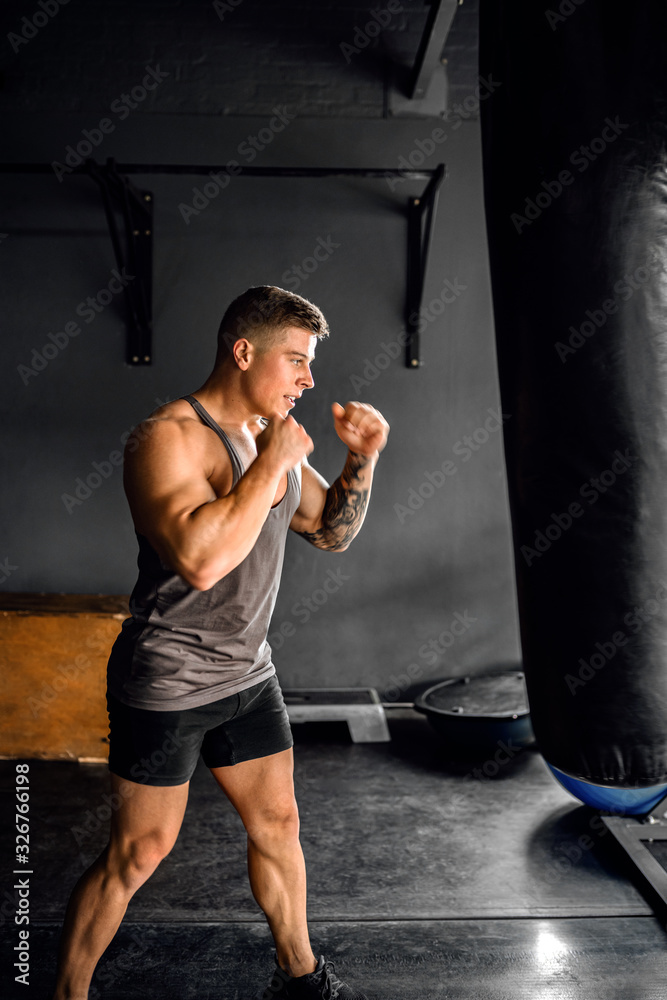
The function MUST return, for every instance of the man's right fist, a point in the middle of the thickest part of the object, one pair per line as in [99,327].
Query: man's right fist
[284,441]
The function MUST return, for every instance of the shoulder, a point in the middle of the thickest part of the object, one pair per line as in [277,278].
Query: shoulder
[173,458]
[173,445]
[171,425]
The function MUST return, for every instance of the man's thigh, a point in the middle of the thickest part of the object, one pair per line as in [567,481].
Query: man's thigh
[140,811]
[260,789]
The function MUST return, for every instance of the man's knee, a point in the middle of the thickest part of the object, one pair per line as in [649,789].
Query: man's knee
[135,860]
[275,820]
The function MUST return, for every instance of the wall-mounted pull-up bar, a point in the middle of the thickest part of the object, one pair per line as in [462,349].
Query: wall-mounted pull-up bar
[136,252]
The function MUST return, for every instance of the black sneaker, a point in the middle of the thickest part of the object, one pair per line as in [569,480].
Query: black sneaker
[322,984]
[277,988]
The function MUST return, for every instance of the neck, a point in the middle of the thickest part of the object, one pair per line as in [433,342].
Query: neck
[221,395]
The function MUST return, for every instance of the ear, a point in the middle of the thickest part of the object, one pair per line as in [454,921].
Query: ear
[243,353]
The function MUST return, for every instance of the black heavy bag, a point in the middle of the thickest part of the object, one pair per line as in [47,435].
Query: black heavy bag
[575,174]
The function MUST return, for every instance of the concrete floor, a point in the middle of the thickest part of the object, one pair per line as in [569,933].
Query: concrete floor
[428,877]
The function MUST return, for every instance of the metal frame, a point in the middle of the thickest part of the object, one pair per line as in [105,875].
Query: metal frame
[633,834]
[432,43]
[421,214]
[136,208]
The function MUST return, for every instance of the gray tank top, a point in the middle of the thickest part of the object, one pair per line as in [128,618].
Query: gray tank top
[183,647]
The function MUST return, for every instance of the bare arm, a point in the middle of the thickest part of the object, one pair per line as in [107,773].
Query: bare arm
[203,533]
[329,517]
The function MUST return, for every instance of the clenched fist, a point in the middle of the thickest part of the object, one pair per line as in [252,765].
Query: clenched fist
[361,427]
[284,441]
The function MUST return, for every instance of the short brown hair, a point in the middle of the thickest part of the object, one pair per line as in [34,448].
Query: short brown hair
[261,313]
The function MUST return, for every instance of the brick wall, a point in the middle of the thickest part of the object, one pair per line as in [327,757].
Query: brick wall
[231,57]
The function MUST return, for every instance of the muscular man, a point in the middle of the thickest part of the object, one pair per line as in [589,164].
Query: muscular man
[214,480]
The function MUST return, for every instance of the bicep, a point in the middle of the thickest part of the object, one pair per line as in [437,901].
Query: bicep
[166,483]
[314,487]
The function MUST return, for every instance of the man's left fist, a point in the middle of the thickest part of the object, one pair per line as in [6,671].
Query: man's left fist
[360,427]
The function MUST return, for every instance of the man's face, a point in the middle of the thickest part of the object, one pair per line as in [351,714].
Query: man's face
[279,375]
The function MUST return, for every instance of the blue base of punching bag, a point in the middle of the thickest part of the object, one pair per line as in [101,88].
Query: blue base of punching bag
[623,801]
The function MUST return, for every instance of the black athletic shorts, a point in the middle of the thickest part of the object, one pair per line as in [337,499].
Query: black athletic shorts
[162,748]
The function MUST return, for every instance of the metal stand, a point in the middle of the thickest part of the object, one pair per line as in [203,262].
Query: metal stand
[421,213]
[432,43]
[638,836]
[361,708]
[136,208]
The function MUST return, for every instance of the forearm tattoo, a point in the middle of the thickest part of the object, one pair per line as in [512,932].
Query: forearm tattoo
[344,508]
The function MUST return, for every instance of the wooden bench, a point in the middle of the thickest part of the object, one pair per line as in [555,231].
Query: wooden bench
[55,649]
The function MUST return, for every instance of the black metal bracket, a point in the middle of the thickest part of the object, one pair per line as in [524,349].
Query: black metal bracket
[637,836]
[135,258]
[135,253]
[421,213]
[429,54]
